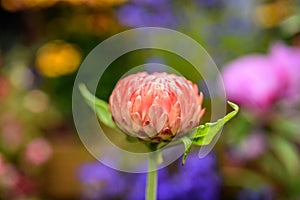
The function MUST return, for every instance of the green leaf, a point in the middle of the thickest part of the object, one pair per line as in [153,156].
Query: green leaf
[272,167]
[287,153]
[287,127]
[102,111]
[204,134]
[99,106]
[187,145]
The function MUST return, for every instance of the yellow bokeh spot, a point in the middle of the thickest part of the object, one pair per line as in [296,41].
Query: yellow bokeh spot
[58,58]
[271,14]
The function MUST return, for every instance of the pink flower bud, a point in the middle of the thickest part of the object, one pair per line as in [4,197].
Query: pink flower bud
[155,107]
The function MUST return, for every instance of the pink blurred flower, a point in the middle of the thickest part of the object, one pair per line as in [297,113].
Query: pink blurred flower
[13,182]
[255,82]
[8,174]
[38,151]
[156,106]
[251,147]
[2,165]
[288,59]
[11,132]
[4,88]
[25,186]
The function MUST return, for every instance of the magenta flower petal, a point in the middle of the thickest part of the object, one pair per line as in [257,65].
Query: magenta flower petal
[156,106]
[254,81]
[288,60]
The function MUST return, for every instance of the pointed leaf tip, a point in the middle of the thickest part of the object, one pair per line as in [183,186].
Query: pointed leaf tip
[204,134]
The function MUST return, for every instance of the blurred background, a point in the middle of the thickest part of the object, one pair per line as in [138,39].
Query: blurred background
[255,44]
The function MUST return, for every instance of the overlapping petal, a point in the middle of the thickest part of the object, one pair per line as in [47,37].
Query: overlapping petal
[156,106]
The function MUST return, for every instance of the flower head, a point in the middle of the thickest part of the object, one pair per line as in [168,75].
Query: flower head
[156,106]
[254,81]
[288,60]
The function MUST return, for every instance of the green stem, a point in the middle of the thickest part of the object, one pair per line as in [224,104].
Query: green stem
[151,191]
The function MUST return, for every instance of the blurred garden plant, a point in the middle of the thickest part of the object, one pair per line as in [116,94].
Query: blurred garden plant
[157,109]
[198,179]
[21,159]
[260,147]
[266,133]
[265,79]
[24,150]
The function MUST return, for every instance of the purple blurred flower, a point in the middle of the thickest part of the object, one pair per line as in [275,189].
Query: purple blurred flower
[140,13]
[198,179]
[139,187]
[239,26]
[262,193]
[151,2]
[288,59]
[101,182]
[209,3]
[251,147]
[255,82]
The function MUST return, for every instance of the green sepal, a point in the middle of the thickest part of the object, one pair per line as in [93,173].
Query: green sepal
[99,106]
[204,134]
[102,111]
